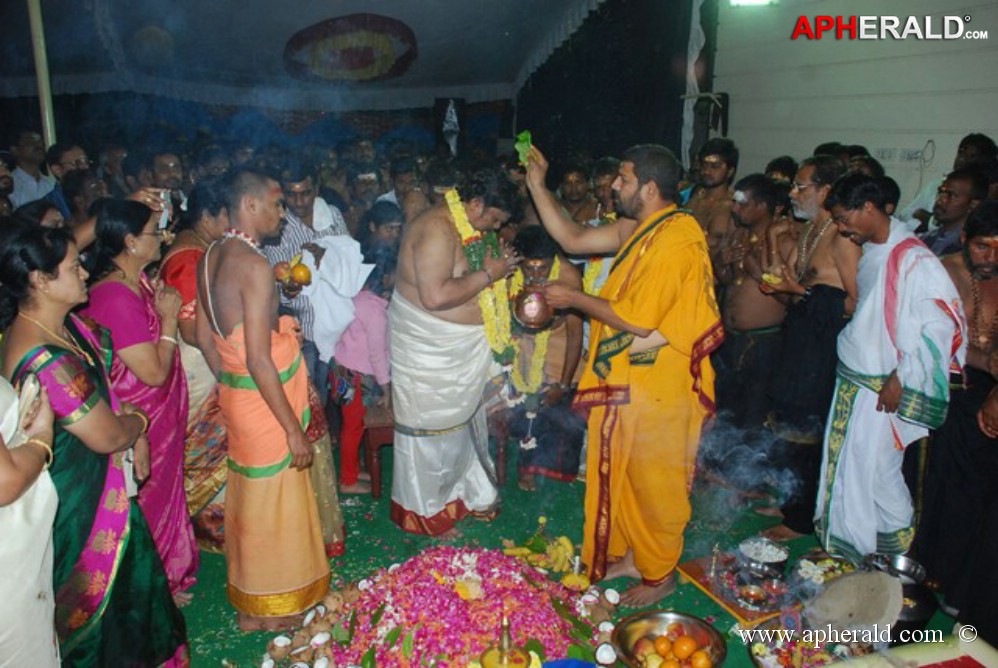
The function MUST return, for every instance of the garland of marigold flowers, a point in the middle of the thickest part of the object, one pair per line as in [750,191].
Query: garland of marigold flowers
[494,299]
[535,376]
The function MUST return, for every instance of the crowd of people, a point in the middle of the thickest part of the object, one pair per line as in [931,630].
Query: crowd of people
[186,334]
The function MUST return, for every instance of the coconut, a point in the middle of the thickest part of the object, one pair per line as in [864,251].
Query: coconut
[606,655]
[364,584]
[589,600]
[319,626]
[300,639]
[311,615]
[326,651]
[605,627]
[324,662]
[612,596]
[350,594]
[333,602]
[394,567]
[599,614]
[279,647]
[267,662]
[320,639]
[305,654]
[299,664]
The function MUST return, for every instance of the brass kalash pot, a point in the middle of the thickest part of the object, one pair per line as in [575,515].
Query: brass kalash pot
[531,309]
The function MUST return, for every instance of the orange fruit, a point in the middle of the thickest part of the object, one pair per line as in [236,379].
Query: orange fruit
[282,272]
[662,646]
[670,663]
[683,647]
[701,659]
[301,275]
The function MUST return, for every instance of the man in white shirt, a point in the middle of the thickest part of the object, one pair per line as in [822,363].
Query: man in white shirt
[308,218]
[29,181]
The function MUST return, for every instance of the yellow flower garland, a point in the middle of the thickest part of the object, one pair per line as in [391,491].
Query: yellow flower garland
[535,376]
[593,270]
[494,299]
[594,267]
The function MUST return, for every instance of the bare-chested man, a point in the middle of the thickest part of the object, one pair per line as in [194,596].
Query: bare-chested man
[277,565]
[959,508]
[752,318]
[441,357]
[820,282]
[576,194]
[710,202]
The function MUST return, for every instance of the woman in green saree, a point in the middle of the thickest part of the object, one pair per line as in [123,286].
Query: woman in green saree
[113,603]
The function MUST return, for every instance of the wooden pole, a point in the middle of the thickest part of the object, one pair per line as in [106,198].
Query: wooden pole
[42,70]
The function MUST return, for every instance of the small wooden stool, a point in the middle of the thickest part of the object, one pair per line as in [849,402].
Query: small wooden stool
[379,432]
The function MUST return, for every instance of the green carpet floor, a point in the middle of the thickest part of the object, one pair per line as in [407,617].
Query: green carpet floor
[373,541]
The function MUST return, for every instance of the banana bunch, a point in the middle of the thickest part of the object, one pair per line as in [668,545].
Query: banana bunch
[560,553]
[557,555]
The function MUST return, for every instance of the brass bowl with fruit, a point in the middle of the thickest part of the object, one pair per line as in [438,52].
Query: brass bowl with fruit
[661,638]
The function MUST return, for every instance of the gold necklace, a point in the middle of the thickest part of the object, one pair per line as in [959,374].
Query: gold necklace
[67,340]
[804,251]
[203,241]
[981,338]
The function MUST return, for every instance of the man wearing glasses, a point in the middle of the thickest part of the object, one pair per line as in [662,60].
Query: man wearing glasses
[63,158]
[819,286]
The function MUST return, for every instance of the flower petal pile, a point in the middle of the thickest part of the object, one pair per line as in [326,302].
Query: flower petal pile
[421,610]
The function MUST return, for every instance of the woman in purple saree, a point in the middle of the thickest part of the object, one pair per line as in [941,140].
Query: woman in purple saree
[147,372]
[112,602]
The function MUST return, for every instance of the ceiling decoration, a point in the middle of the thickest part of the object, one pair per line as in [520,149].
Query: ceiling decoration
[296,55]
[354,48]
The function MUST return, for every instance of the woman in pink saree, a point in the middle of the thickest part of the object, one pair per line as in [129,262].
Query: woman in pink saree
[147,372]
[112,601]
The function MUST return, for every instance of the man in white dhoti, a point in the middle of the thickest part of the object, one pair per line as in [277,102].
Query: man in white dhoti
[895,359]
[449,323]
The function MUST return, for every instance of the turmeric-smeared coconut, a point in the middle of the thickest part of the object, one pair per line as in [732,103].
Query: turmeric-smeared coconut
[279,647]
[300,639]
[333,602]
[305,654]
[320,625]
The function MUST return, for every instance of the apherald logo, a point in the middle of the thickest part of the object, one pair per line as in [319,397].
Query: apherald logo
[884,27]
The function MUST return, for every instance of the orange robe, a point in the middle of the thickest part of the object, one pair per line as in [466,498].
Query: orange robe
[273,537]
[646,410]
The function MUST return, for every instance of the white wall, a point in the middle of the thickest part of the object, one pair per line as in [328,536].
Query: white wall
[893,96]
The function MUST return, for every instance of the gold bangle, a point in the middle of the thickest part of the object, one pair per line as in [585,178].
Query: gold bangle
[49,455]
[145,421]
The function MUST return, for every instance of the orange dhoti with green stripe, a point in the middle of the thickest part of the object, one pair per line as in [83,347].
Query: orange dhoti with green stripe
[647,409]
[273,537]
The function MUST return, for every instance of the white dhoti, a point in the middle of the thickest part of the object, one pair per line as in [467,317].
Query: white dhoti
[908,324]
[442,471]
[863,502]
